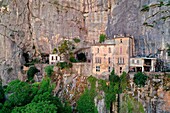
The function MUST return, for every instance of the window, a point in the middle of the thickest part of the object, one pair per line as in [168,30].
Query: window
[120,40]
[98,60]
[120,69]
[109,50]
[97,50]
[97,68]
[93,41]
[120,60]
[109,69]
[133,61]
[109,60]
[52,58]
[56,57]
[120,50]
[86,53]
[137,61]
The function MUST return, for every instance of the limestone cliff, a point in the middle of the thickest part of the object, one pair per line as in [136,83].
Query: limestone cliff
[37,26]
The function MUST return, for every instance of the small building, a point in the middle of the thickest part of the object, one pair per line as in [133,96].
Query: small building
[142,64]
[55,58]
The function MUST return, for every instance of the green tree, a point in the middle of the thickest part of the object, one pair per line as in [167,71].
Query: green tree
[163,12]
[102,38]
[18,94]
[85,104]
[64,65]
[72,59]
[130,105]
[140,79]
[55,51]
[40,107]
[76,40]
[23,97]
[49,70]
[31,72]
[116,87]
[2,96]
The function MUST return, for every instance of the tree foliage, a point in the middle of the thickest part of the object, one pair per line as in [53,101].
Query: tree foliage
[40,107]
[73,60]
[64,65]
[76,40]
[18,93]
[23,97]
[49,70]
[117,86]
[85,104]
[2,95]
[130,105]
[66,49]
[102,38]
[163,12]
[31,72]
[55,51]
[140,79]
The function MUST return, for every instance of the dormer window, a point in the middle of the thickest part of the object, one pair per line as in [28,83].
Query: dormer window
[120,40]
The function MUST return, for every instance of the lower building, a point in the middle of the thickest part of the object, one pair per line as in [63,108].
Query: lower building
[142,64]
[54,59]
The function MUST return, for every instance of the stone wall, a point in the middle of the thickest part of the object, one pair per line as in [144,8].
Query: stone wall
[83,69]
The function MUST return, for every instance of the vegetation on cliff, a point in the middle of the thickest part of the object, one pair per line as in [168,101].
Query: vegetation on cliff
[140,79]
[23,97]
[102,38]
[162,14]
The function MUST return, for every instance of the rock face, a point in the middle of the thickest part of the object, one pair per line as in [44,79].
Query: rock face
[126,18]
[37,26]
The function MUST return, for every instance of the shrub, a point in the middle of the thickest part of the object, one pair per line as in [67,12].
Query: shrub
[49,70]
[140,79]
[31,72]
[145,8]
[102,38]
[76,40]
[64,65]
[72,59]
[54,51]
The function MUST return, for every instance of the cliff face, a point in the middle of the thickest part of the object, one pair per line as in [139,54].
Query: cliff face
[37,26]
[126,18]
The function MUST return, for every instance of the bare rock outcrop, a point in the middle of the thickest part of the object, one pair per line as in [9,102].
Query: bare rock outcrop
[37,26]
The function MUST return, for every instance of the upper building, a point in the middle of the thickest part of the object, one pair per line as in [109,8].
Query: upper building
[112,54]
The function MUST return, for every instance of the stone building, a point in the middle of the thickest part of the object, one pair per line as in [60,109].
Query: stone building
[124,49]
[102,58]
[54,59]
[142,64]
[112,54]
